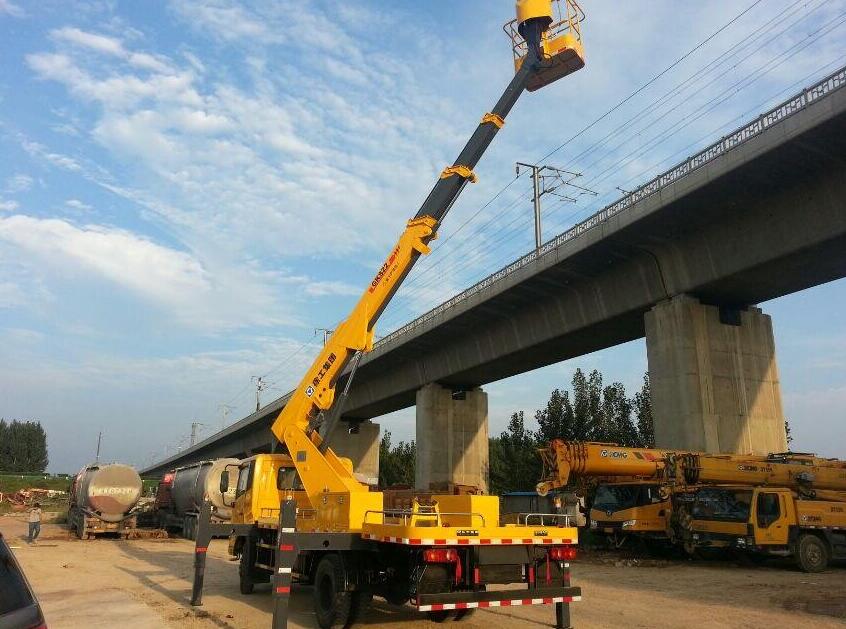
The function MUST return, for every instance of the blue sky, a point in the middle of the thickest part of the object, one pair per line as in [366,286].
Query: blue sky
[188,189]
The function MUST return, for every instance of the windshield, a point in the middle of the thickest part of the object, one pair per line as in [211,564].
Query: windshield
[618,497]
[727,505]
[244,477]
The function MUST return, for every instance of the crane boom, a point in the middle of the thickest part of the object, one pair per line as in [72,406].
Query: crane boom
[563,459]
[802,473]
[313,403]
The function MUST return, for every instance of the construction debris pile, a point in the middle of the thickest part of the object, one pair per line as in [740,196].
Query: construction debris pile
[24,498]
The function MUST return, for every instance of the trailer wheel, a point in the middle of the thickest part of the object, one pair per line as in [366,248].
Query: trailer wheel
[811,553]
[332,603]
[245,568]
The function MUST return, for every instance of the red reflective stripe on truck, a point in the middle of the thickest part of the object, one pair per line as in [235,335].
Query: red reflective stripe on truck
[286,547]
[201,549]
[283,589]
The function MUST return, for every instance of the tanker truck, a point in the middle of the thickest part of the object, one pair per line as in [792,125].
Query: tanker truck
[103,499]
[182,492]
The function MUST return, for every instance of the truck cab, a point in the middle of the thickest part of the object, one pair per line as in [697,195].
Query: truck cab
[620,509]
[264,481]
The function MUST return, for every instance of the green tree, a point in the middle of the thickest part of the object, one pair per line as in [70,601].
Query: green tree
[396,464]
[643,412]
[514,464]
[616,420]
[23,446]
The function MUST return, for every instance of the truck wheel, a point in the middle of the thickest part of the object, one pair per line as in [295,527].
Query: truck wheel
[245,568]
[361,601]
[332,604]
[811,553]
[440,615]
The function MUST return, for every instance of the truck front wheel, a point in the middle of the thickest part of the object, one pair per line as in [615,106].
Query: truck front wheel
[811,553]
[332,603]
[245,569]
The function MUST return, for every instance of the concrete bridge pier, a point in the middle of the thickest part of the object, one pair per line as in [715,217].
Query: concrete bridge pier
[452,438]
[714,379]
[361,447]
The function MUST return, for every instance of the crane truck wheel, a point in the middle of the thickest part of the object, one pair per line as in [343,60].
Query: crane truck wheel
[245,568]
[811,553]
[332,604]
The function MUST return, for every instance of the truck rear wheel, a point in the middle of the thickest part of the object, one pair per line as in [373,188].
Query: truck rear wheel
[332,603]
[811,553]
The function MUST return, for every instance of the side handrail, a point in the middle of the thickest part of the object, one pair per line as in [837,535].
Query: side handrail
[407,514]
[543,516]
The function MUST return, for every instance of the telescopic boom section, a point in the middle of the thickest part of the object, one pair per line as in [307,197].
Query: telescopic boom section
[563,460]
[313,403]
[803,473]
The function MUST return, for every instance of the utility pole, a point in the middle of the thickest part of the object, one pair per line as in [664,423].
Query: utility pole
[194,426]
[224,412]
[559,178]
[261,385]
[326,333]
[99,439]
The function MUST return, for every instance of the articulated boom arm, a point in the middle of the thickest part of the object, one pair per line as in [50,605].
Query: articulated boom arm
[314,403]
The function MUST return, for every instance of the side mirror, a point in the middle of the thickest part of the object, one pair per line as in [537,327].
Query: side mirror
[224,482]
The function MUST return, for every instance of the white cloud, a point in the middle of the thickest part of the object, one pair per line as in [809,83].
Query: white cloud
[98,43]
[8,206]
[40,151]
[12,295]
[322,288]
[9,8]
[76,204]
[18,183]
[227,21]
[154,271]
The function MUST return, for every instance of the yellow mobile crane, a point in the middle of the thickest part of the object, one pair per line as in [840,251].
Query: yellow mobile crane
[304,515]
[781,505]
[631,497]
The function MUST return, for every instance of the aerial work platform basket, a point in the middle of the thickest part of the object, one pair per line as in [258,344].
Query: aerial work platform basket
[561,44]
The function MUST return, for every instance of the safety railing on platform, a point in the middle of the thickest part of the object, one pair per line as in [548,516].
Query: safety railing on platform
[797,103]
[566,19]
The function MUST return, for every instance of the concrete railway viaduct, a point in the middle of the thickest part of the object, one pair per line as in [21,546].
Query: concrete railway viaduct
[683,260]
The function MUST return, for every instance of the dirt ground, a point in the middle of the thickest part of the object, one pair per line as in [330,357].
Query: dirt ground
[141,584]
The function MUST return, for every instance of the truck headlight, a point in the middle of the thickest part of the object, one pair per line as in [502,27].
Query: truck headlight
[593,524]
[629,523]
[695,536]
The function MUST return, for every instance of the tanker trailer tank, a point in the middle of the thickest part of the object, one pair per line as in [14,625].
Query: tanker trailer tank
[103,499]
[196,483]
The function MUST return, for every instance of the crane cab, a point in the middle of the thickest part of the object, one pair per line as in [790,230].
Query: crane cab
[561,42]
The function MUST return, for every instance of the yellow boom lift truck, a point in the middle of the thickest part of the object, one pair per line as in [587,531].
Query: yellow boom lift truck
[631,500]
[789,505]
[325,527]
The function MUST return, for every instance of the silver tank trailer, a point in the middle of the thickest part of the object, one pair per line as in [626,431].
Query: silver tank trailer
[109,491]
[194,483]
